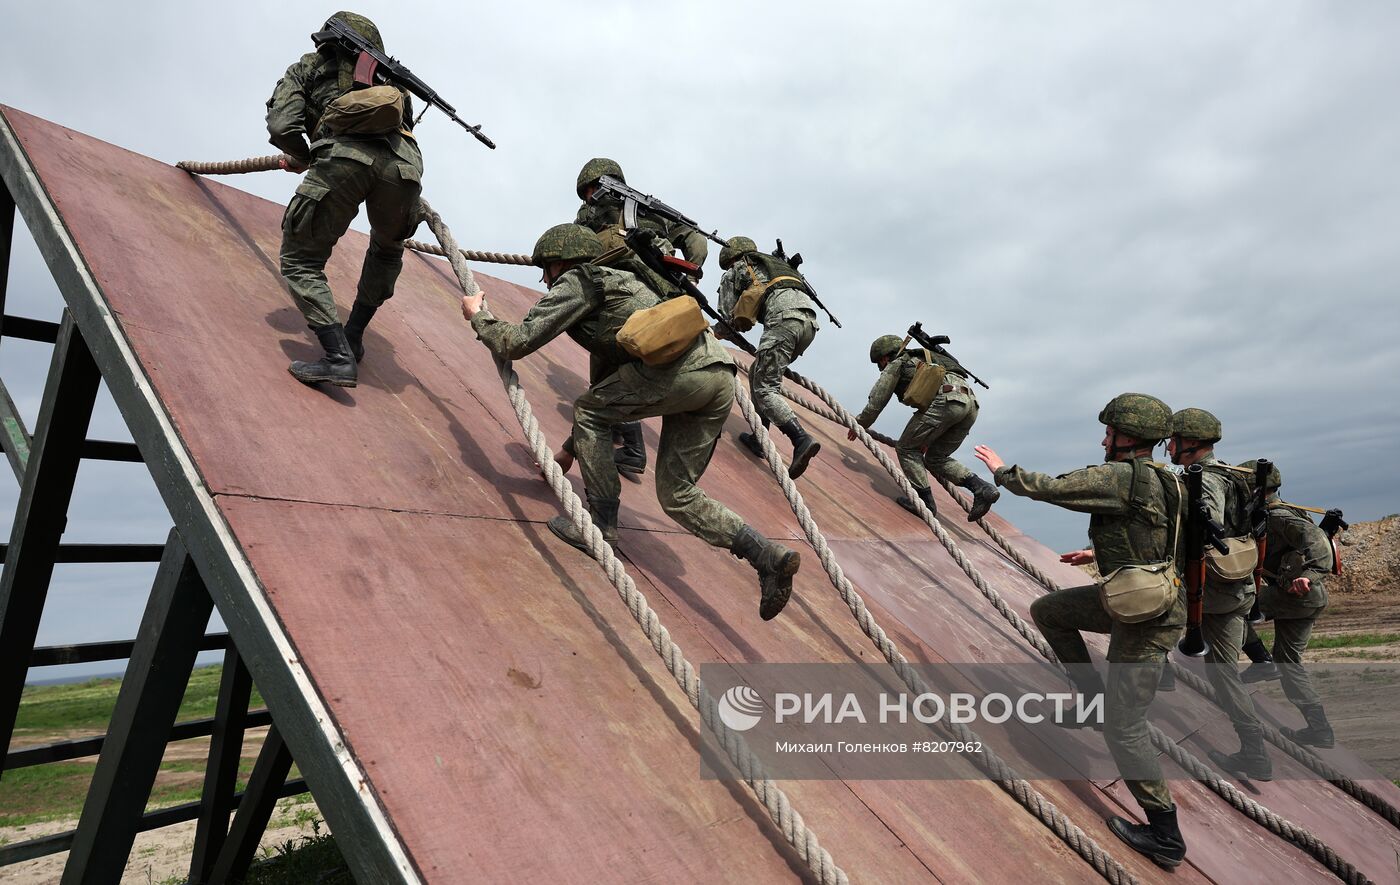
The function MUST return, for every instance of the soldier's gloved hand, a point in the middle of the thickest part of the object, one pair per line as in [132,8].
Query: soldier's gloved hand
[1078,557]
[1300,587]
[291,164]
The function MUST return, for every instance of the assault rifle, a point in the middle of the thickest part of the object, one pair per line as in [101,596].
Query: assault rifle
[679,272]
[1201,530]
[795,262]
[935,343]
[1259,528]
[373,67]
[633,199]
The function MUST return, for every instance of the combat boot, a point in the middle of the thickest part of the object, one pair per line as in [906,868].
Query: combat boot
[337,366]
[604,513]
[1263,668]
[1251,762]
[1159,839]
[803,447]
[1318,732]
[355,326]
[775,565]
[751,442]
[984,495]
[925,495]
[631,457]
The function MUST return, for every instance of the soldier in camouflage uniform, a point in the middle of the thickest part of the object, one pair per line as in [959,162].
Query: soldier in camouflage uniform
[384,172]
[1297,560]
[692,395]
[1133,505]
[932,435]
[603,216]
[789,319]
[1225,602]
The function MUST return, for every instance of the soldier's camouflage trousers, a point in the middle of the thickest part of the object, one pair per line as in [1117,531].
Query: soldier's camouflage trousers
[1290,641]
[342,176]
[941,428]
[782,342]
[693,405]
[1061,617]
[1224,633]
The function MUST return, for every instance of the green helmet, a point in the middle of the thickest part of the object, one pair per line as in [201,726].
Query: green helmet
[1138,415]
[595,169]
[885,345]
[1196,424]
[734,248]
[565,242]
[1275,480]
[364,26]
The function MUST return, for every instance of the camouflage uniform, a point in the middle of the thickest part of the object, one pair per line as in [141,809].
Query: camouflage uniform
[694,394]
[1131,522]
[933,435]
[789,318]
[1297,548]
[383,172]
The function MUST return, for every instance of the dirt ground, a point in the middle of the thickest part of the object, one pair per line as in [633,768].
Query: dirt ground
[160,855]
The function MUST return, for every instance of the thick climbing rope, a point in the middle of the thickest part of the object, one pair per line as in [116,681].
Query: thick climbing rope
[235,167]
[470,255]
[997,768]
[1296,751]
[779,806]
[1256,812]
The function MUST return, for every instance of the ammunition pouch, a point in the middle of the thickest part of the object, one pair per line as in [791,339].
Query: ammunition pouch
[660,335]
[1136,593]
[749,308]
[1237,563]
[377,110]
[926,384]
[612,238]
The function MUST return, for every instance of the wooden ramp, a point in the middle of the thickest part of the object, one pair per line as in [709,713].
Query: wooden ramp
[464,694]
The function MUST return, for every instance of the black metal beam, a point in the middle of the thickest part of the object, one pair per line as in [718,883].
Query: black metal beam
[161,662]
[42,512]
[102,553]
[221,774]
[107,450]
[78,748]
[14,436]
[7,238]
[91,652]
[30,329]
[151,820]
[249,824]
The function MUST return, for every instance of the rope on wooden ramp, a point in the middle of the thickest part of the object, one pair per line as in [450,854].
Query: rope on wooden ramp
[1293,749]
[470,255]
[780,809]
[1260,814]
[997,768]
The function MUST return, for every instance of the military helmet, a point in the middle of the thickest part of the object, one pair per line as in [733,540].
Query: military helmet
[734,248]
[364,26]
[1274,481]
[595,169]
[1196,424]
[885,345]
[1138,415]
[565,242]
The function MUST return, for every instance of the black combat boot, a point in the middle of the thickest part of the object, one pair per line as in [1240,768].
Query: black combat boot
[984,495]
[925,495]
[1263,668]
[337,366]
[1088,685]
[1318,732]
[1167,681]
[604,513]
[1251,762]
[1159,838]
[360,315]
[803,447]
[631,457]
[751,442]
[775,565]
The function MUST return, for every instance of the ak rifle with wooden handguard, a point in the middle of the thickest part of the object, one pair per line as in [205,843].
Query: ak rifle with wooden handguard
[679,272]
[935,343]
[795,262]
[1201,530]
[633,199]
[373,68]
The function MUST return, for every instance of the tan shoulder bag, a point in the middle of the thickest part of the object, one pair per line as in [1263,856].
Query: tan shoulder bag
[1136,593]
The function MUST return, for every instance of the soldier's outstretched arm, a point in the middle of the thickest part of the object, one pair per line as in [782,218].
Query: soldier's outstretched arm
[880,394]
[565,304]
[1102,488]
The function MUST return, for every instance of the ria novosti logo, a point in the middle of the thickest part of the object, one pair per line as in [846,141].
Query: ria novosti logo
[741,708]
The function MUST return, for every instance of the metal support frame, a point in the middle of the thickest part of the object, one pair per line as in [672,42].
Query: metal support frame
[149,700]
[274,762]
[221,774]
[42,512]
[104,553]
[7,239]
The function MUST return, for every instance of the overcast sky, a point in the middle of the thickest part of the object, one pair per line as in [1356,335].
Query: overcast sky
[1195,200]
